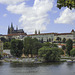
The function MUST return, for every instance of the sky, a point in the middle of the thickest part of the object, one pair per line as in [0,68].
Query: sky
[31,15]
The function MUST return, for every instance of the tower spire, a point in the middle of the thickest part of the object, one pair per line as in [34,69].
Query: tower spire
[16,27]
[11,25]
[35,31]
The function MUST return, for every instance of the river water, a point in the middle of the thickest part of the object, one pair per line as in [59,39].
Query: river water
[37,69]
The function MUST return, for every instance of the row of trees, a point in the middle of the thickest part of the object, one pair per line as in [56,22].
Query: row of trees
[7,42]
[30,46]
[50,52]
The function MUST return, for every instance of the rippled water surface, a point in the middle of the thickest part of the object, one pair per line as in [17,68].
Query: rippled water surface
[37,69]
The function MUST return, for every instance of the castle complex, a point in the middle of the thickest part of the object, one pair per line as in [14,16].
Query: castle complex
[51,37]
[11,30]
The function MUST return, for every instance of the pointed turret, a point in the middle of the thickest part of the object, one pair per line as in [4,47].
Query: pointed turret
[35,31]
[12,28]
[39,32]
[16,27]
[11,25]
[8,30]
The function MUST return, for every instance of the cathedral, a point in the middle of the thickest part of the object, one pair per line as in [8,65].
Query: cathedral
[11,30]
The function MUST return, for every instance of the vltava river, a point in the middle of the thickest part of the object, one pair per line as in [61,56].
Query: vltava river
[37,69]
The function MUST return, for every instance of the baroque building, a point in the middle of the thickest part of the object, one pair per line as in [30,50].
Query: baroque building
[11,30]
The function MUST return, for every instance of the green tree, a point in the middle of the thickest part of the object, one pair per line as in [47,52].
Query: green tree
[49,54]
[66,3]
[0,56]
[41,40]
[63,47]
[64,40]
[3,39]
[61,51]
[49,39]
[72,52]
[28,45]
[16,47]
[49,45]
[6,45]
[36,46]
[31,46]
[58,39]
[69,45]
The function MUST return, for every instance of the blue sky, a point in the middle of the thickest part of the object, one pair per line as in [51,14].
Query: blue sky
[34,15]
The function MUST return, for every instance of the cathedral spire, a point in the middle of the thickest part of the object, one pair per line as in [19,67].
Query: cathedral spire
[35,31]
[11,25]
[16,27]
[8,30]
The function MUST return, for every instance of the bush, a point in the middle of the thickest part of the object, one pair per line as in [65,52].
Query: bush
[49,54]
[72,52]
[0,56]
[61,51]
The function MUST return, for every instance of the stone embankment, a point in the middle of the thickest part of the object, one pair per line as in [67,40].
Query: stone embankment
[24,60]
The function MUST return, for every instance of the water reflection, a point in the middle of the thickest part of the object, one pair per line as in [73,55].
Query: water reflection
[37,69]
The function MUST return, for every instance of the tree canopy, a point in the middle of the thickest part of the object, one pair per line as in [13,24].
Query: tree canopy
[66,3]
[69,45]
[6,45]
[49,54]
[16,47]
[31,46]
[72,52]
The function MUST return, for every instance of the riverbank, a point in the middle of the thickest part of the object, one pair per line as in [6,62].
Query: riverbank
[23,60]
[31,60]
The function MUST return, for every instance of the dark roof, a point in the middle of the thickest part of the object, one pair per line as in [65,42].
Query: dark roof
[41,34]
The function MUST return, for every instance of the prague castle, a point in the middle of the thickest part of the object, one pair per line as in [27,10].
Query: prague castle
[11,30]
[51,37]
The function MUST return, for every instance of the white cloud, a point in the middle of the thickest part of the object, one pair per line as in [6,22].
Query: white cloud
[66,17]
[35,17]
[4,15]
[10,1]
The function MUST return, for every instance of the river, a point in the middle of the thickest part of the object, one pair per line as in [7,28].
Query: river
[37,69]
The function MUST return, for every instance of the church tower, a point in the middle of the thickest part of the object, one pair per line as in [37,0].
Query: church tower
[12,28]
[16,27]
[35,31]
[8,30]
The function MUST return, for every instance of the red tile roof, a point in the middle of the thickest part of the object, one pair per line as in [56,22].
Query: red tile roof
[50,33]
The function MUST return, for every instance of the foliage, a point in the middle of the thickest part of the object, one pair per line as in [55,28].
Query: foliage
[72,52]
[66,3]
[41,40]
[64,40]
[0,56]
[63,47]
[58,39]
[69,45]
[6,45]
[61,51]
[42,51]
[49,54]
[49,40]
[31,46]
[49,44]
[3,39]
[16,47]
